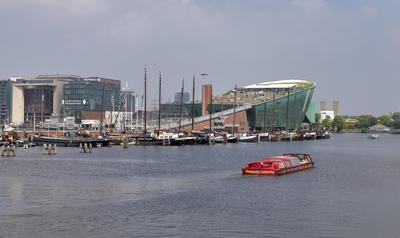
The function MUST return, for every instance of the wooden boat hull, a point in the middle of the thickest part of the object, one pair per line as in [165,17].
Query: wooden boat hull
[147,140]
[70,142]
[277,171]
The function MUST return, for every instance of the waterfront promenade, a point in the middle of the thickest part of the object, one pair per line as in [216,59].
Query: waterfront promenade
[199,191]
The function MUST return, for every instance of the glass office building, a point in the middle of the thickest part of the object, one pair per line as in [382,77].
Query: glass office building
[90,94]
[4,101]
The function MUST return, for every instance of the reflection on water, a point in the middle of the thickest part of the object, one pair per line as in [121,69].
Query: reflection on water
[198,191]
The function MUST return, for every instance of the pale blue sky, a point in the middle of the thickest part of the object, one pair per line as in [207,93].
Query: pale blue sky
[350,48]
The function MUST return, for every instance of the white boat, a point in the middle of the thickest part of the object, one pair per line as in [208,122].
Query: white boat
[264,136]
[373,136]
[247,138]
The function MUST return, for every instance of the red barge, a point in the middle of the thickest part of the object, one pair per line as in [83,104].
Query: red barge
[278,165]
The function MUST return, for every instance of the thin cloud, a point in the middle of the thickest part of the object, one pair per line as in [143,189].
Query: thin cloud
[70,7]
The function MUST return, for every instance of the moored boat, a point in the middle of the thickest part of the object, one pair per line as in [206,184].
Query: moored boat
[232,138]
[147,140]
[278,165]
[247,138]
[70,141]
[264,136]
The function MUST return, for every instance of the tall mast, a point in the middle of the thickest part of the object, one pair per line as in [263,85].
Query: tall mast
[287,109]
[273,110]
[42,119]
[211,109]
[159,105]
[145,101]
[102,109]
[294,111]
[181,105]
[193,91]
[234,112]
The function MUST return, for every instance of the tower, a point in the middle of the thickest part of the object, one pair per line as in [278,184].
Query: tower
[335,106]
[206,94]
[323,106]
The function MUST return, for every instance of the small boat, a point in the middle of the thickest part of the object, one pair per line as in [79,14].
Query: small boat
[232,138]
[373,136]
[287,136]
[264,136]
[148,139]
[217,139]
[278,165]
[247,138]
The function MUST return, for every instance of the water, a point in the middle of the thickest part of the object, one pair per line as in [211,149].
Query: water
[198,191]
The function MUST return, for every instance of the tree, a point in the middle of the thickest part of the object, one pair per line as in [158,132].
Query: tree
[327,123]
[317,120]
[338,123]
[396,116]
[396,124]
[366,121]
[385,120]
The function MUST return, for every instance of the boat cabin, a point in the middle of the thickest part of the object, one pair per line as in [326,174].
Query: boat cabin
[279,164]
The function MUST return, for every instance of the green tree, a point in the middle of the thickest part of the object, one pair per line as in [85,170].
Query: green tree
[385,120]
[396,116]
[338,123]
[366,121]
[317,120]
[396,124]
[327,123]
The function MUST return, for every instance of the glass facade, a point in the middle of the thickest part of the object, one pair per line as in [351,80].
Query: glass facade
[90,94]
[284,112]
[4,101]
[172,110]
[33,105]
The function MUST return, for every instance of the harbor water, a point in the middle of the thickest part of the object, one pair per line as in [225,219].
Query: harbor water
[199,191]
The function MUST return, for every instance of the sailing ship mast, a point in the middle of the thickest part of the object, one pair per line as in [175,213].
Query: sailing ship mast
[159,105]
[181,105]
[193,102]
[102,110]
[145,101]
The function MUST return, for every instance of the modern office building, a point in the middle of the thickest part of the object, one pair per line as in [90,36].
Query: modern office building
[91,94]
[33,100]
[5,101]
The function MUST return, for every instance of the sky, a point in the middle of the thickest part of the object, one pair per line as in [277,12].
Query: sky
[351,49]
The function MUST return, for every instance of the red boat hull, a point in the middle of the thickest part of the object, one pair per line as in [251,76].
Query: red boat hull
[278,171]
[279,165]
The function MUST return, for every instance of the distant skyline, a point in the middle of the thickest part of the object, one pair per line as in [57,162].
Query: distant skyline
[351,49]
